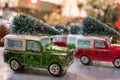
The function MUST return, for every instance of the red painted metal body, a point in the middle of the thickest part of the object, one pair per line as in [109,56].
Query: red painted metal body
[108,53]
[60,40]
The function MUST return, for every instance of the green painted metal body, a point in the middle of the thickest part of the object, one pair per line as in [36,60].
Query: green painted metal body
[40,59]
[71,45]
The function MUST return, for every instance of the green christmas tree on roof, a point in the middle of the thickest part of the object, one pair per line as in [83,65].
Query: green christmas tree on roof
[61,28]
[24,24]
[75,28]
[91,26]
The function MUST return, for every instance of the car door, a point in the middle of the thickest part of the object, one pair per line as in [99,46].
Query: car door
[33,55]
[100,50]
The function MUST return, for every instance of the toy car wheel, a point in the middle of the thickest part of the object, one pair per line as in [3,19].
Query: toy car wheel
[116,62]
[55,69]
[15,65]
[85,60]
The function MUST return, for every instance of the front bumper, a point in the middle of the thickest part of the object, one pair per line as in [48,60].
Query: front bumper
[66,67]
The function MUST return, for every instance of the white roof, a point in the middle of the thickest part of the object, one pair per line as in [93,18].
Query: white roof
[90,37]
[59,35]
[25,37]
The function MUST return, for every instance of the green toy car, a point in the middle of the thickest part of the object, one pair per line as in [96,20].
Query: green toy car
[32,51]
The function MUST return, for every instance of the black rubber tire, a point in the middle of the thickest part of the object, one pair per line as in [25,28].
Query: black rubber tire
[59,69]
[86,58]
[116,62]
[15,65]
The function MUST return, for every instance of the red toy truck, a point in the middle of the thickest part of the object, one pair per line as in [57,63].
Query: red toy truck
[60,40]
[65,40]
[93,48]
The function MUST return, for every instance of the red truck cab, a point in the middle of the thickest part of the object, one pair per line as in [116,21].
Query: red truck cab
[65,40]
[93,48]
[60,40]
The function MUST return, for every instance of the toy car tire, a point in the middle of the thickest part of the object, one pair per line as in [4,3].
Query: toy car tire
[85,60]
[15,65]
[55,69]
[116,62]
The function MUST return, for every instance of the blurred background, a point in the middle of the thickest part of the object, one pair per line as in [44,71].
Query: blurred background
[65,12]
[62,11]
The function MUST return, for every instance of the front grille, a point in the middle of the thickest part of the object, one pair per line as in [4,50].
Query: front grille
[69,57]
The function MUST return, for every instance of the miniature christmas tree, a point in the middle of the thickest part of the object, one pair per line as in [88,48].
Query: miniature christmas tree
[75,28]
[91,26]
[23,24]
[61,28]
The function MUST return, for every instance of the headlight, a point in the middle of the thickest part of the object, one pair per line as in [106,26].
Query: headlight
[61,57]
[76,50]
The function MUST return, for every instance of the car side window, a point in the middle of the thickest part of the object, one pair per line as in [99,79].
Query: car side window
[71,39]
[33,46]
[14,43]
[99,44]
[84,43]
[56,38]
[64,38]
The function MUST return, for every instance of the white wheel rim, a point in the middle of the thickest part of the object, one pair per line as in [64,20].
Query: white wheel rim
[84,59]
[14,64]
[54,69]
[117,62]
